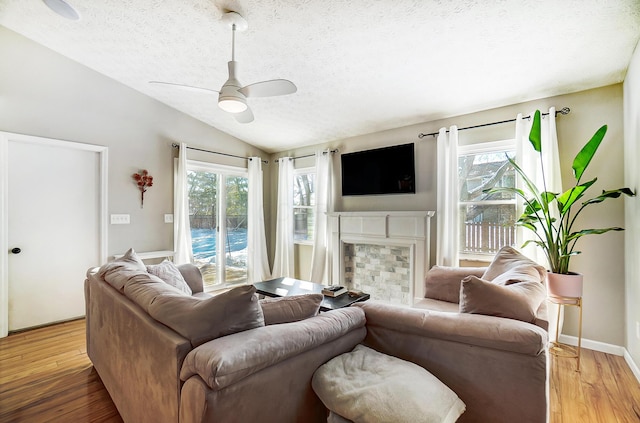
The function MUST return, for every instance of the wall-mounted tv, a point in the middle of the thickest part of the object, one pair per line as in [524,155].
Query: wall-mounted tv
[388,170]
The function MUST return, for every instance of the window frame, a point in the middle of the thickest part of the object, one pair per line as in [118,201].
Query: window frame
[479,148]
[297,172]
[223,171]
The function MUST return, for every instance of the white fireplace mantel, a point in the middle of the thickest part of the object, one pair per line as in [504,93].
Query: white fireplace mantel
[394,228]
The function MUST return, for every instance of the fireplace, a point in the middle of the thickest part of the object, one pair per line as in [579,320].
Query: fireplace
[385,254]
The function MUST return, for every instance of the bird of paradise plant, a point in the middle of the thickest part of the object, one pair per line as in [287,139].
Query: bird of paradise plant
[555,232]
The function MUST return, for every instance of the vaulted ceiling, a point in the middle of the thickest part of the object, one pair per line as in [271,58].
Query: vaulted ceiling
[359,66]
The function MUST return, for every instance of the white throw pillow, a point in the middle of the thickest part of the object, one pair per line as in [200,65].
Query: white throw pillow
[169,272]
[365,386]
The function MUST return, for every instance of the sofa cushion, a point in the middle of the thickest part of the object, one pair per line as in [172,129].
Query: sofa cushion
[290,309]
[169,272]
[443,282]
[118,272]
[367,386]
[519,300]
[143,289]
[437,305]
[203,319]
[229,359]
[510,266]
[192,276]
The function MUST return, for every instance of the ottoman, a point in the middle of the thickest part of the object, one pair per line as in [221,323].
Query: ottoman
[365,386]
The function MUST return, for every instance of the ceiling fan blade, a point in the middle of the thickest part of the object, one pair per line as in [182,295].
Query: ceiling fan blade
[244,117]
[184,87]
[270,88]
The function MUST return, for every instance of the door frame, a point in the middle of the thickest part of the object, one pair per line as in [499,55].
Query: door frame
[5,138]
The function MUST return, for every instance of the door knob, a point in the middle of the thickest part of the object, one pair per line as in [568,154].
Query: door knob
[16,250]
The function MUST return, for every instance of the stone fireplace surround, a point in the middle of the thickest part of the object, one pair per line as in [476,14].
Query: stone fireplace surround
[385,254]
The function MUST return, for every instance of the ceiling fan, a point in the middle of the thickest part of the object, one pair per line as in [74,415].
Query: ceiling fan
[232,97]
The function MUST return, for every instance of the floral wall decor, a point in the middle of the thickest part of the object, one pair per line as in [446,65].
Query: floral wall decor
[144,181]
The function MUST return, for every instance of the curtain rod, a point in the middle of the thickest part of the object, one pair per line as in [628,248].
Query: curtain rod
[563,111]
[174,145]
[310,155]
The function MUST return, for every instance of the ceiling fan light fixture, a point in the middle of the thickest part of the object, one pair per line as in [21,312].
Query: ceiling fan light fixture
[230,99]
[62,8]
[232,104]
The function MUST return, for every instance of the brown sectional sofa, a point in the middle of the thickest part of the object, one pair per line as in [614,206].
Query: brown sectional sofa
[496,365]
[154,374]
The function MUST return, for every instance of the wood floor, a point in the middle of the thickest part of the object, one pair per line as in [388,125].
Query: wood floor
[45,376]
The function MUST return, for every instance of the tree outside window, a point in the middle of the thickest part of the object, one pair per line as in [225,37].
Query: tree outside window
[487,221]
[303,204]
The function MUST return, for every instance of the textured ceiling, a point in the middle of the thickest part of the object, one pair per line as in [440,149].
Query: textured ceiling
[360,66]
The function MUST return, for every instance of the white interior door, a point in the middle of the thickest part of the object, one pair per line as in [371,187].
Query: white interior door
[55,199]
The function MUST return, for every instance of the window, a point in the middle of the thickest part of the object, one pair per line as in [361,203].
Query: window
[218,219]
[304,201]
[487,222]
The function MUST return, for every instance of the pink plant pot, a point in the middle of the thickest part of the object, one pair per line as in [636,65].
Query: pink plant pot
[564,286]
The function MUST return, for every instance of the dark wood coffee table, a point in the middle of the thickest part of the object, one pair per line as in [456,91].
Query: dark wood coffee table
[286,287]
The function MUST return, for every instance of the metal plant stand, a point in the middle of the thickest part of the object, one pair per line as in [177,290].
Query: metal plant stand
[563,350]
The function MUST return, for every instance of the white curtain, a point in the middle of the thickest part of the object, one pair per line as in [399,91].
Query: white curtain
[257,260]
[447,210]
[529,160]
[283,262]
[181,227]
[321,258]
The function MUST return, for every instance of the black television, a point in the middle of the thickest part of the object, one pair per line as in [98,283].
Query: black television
[387,170]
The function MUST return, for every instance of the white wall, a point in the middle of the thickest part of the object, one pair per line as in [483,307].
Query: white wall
[602,261]
[45,94]
[632,209]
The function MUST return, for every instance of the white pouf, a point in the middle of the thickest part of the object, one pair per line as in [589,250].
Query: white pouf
[365,386]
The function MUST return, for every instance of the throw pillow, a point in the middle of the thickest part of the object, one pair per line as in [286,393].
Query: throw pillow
[519,301]
[290,309]
[367,386]
[169,272]
[203,319]
[131,257]
[118,272]
[510,266]
[144,288]
[443,282]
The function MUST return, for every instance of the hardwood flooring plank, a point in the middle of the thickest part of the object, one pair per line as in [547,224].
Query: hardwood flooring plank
[625,395]
[555,392]
[599,400]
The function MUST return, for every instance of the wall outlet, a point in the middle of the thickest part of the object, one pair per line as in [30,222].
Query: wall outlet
[168,218]
[637,330]
[120,219]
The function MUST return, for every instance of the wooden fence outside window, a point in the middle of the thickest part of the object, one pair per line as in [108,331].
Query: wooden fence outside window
[486,237]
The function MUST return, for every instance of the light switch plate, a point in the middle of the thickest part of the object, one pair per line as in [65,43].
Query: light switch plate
[120,219]
[168,218]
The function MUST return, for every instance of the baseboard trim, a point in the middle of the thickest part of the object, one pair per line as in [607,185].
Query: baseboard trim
[632,365]
[594,345]
[605,348]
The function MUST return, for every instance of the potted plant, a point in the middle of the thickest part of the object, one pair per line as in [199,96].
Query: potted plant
[552,216]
